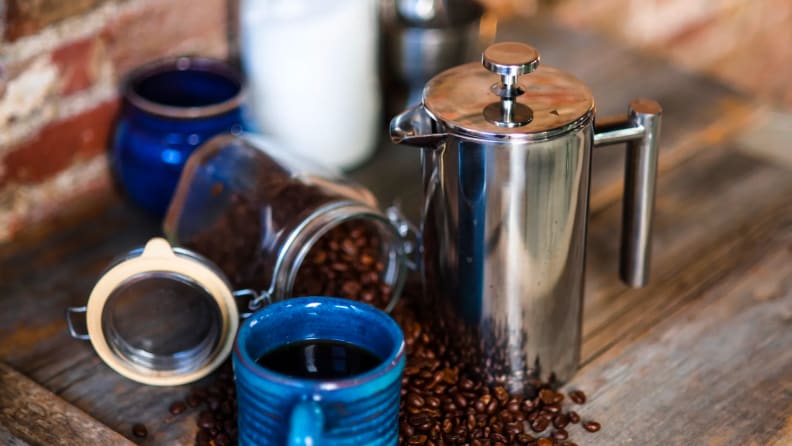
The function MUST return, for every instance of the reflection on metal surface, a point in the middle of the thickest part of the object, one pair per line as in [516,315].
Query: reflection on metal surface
[506,209]
[504,237]
[641,131]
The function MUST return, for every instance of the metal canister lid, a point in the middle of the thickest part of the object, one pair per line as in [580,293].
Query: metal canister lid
[162,316]
[508,96]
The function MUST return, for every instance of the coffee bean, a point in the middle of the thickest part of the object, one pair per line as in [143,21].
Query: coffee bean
[560,434]
[561,421]
[433,402]
[525,438]
[540,424]
[552,408]
[177,407]
[418,420]
[544,442]
[591,426]
[501,394]
[547,396]
[206,419]
[461,401]
[577,396]
[139,430]
[415,400]
[574,418]
[417,440]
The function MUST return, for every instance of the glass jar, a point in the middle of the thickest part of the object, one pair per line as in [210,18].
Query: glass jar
[248,218]
[257,211]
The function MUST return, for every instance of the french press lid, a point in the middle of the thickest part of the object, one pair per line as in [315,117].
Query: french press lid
[508,96]
[161,316]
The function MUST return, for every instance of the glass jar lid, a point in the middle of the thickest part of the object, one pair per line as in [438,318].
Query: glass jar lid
[162,316]
[508,96]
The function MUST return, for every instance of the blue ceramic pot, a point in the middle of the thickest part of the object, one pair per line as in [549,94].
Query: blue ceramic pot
[277,409]
[170,108]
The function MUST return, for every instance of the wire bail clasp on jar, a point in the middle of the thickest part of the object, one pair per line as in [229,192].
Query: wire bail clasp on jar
[252,300]
[70,323]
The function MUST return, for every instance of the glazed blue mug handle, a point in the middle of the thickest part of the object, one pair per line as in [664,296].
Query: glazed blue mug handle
[306,424]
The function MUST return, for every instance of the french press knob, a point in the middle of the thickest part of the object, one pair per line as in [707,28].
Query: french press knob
[509,60]
[160,315]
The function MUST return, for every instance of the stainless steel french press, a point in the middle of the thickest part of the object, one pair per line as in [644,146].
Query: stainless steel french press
[506,174]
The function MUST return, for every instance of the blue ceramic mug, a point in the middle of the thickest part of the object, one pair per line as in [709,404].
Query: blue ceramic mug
[279,409]
[170,108]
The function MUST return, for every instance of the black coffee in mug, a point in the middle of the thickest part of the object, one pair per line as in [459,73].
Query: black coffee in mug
[319,359]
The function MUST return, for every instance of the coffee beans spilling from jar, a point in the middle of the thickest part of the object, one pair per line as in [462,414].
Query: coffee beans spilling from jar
[442,403]
[346,263]
[444,400]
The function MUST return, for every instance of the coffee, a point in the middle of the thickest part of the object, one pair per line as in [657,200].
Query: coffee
[320,359]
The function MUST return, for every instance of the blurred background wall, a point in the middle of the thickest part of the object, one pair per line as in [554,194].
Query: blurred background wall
[60,65]
[744,43]
[61,61]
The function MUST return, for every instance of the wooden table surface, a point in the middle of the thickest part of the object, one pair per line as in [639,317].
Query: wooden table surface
[703,355]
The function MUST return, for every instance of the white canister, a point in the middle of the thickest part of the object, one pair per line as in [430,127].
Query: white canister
[312,73]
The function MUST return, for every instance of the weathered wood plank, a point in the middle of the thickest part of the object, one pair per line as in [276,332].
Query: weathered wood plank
[717,372]
[718,203]
[30,414]
[38,283]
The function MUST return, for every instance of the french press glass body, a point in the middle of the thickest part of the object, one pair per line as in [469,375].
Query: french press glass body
[506,162]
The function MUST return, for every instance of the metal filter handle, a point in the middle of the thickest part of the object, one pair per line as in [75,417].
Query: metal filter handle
[640,129]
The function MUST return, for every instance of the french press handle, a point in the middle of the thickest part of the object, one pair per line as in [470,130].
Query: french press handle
[640,129]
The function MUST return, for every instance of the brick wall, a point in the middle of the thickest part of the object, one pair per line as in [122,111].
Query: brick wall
[745,43]
[60,65]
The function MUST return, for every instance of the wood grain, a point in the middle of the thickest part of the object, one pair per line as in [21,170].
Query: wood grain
[32,415]
[716,372]
[719,203]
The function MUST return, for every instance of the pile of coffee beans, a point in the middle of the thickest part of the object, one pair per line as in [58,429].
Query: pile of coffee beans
[345,262]
[446,402]
[447,397]
[443,402]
